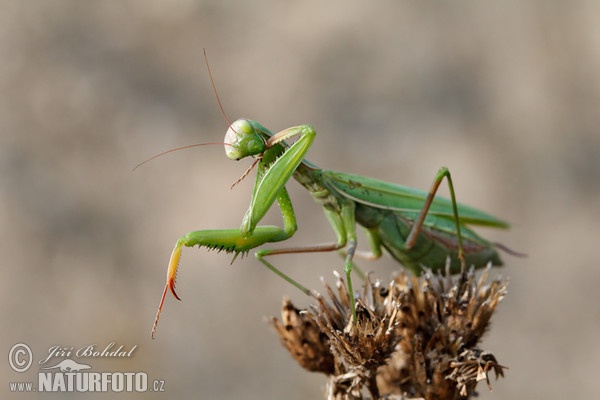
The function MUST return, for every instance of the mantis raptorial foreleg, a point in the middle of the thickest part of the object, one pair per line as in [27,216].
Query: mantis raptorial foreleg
[232,241]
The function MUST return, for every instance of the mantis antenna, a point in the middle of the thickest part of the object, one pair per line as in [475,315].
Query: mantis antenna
[177,149]
[212,82]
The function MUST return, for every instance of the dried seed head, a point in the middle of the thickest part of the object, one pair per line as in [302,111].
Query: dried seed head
[414,337]
[301,336]
[367,343]
[440,318]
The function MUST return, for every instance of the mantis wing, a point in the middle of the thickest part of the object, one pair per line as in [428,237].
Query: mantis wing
[387,196]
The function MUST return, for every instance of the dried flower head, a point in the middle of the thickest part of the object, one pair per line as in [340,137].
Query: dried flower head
[301,336]
[415,337]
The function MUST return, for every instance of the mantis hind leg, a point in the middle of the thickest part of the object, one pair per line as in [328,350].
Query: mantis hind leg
[418,225]
[348,264]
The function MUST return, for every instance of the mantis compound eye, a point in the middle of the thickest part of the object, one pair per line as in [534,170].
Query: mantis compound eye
[243,140]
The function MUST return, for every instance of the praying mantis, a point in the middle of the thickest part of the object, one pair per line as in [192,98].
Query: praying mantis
[417,228]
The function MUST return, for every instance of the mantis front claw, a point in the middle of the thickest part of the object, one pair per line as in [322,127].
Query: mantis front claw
[170,284]
[229,240]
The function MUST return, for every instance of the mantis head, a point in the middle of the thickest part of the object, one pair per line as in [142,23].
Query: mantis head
[243,139]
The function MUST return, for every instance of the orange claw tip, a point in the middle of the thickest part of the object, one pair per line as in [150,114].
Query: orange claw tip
[171,285]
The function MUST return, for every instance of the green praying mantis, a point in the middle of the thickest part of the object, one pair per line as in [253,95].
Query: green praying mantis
[417,228]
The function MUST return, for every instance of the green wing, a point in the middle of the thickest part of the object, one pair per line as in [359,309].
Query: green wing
[388,196]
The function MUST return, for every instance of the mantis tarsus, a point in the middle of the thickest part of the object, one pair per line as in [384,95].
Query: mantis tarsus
[416,228]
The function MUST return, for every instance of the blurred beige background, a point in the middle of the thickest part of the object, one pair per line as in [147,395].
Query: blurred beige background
[506,94]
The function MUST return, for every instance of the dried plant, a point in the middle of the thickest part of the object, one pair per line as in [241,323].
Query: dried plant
[413,338]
